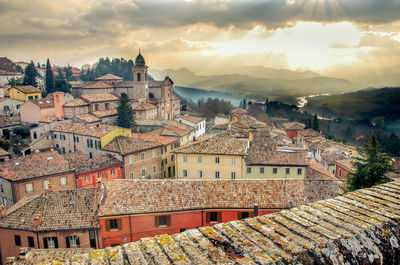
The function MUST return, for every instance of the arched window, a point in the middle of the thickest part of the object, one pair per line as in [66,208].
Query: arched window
[139,78]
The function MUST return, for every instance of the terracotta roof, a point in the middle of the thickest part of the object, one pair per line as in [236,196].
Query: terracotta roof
[146,106]
[171,130]
[331,157]
[347,163]
[88,117]
[148,196]
[76,102]
[266,156]
[316,171]
[99,97]
[98,130]
[193,119]
[35,165]
[357,228]
[239,111]
[81,164]
[126,145]
[12,99]
[293,126]
[164,140]
[46,256]
[59,210]
[43,103]
[105,113]
[109,77]
[48,119]
[7,122]
[98,84]
[28,89]
[215,144]
[162,124]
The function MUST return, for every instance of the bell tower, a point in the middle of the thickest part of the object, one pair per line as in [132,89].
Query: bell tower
[140,80]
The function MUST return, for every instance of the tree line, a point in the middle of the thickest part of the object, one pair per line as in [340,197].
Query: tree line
[116,66]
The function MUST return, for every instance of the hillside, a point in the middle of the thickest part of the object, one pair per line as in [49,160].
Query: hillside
[371,104]
[241,85]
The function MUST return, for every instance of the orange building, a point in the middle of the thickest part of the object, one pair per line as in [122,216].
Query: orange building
[134,209]
[89,171]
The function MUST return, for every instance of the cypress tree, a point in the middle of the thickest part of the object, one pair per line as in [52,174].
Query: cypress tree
[125,113]
[371,170]
[30,75]
[50,85]
[315,123]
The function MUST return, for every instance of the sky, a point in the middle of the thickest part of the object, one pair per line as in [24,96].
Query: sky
[340,38]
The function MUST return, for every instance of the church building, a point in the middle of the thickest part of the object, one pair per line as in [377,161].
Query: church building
[150,99]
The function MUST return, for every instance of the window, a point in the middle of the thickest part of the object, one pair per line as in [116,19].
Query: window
[36,96]
[172,158]
[63,181]
[63,150]
[233,160]
[30,97]
[29,187]
[139,78]
[217,174]
[95,144]
[142,156]
[55,136]
[34,135]
[243,215]
[72,241]
[131,175]
[17,239]
[96,106]
[185,173]
[275,170]
[154,169]
[153,153]
[340,172]
[50,242]
[107,105]
[46,184]
[233,175]
[90,155]
[143,173]
[248,170]
[299,171]
[77,139]
[261,170]
[130,159]
[31,242]
[98,144]
[91,143]
[184,159]
[100,174]
[287,171]
[199,159]
[213,217]
[87,142]
[200,174]
[163,220]
[217,160]
[1,188]
[87,178]
[114,225]
[112,172]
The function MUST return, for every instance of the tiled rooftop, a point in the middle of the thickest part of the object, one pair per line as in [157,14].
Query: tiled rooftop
[105,113]
[109,77]
[215,144]
[171,130]
[59,210]
[360,227]
[308,133]
[267,156]
[293,126]
[145,106]
[127,145]
[35,165]
[98,84]
[5,153]
[332,157]
[80,163]
[7,122]
[148,196]
[347,163]
[99,97]
[88,117]
[76,102]
[239,111]
[28,89]
[164,140]
[43,103]
[193,119]
[316,171]
[47,256]
[98,130]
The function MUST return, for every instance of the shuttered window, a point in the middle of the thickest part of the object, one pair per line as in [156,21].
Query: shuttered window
[163,220]
[243,215]
[113,225]
[213,217]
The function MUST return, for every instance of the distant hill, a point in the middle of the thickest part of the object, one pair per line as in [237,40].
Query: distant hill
[275,83]
[368,103]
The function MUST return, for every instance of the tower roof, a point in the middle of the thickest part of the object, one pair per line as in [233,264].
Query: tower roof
[139,59]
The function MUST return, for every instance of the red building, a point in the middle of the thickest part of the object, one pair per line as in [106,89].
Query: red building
[291,128]
[134,209]
[88,171]
[343,167]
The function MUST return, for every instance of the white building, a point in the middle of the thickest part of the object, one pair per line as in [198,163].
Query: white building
[10,107]
[198,123]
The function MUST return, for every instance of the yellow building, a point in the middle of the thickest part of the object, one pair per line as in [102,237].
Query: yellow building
[212,157]
[25,93]
[167,157]
[266,163]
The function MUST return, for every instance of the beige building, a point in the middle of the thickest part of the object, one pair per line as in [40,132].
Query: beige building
[33,111]
[212,157]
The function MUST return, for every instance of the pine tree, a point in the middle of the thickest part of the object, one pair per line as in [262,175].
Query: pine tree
[371,170]
[50,84]
[30,75]
[125,113]
[315,123]
[244,104]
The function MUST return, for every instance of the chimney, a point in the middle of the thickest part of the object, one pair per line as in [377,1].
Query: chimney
[50,187]
[255,210]
[3,211]
[58,105]
[37,220]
